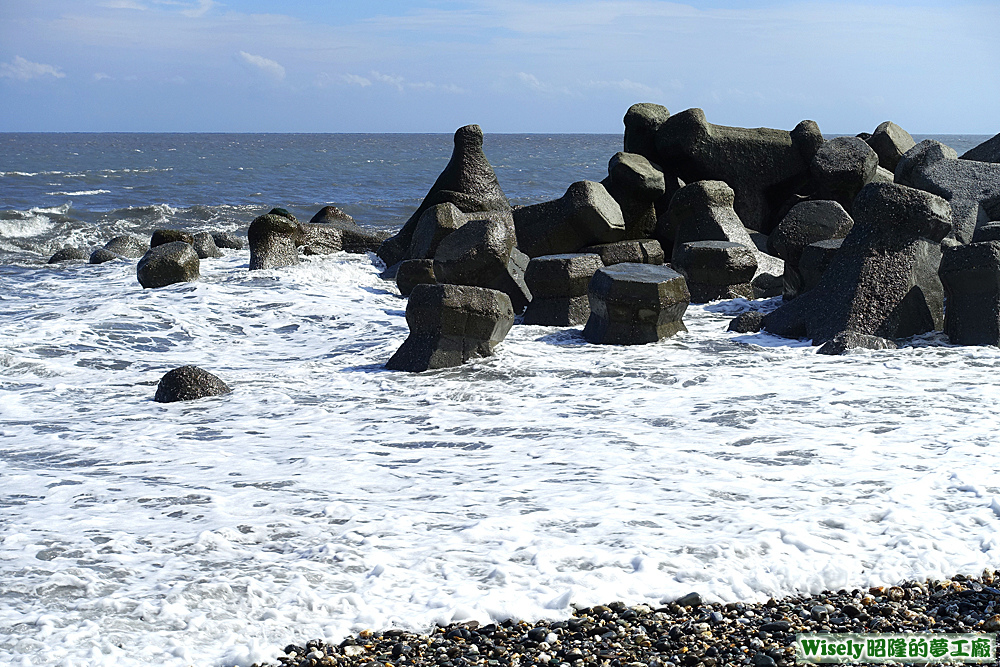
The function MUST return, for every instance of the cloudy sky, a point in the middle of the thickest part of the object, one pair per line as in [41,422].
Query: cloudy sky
[509,65]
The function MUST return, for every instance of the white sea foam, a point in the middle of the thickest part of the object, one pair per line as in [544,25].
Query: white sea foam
[62,209]
[326,495]
[28,226]
[81,193]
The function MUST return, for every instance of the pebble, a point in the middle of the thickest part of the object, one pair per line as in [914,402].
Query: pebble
[686,633]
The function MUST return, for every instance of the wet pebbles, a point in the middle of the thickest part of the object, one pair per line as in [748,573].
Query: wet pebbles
[684,633]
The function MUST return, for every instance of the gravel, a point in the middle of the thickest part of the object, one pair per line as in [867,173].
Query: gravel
[674,635]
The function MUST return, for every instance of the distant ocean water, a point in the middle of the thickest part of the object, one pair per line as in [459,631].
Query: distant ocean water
[326,495]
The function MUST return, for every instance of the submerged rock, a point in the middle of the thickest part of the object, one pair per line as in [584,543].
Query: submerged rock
[450,324]
[751,321]
[634,304]
[67,254]
[971,277]
[274,240]
[189,383]
[102,255]
[166,264]
[558,285]
[852,340]
[227,240]
[127,245]
[716,270]
[204,245]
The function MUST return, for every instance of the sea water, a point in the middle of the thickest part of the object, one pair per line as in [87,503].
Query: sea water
[327,495]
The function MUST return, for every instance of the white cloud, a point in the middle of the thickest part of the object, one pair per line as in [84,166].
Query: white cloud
[394,81]
[203,8]
[357,80]
[628,86]
[531,81]
[265,65]
[123,4]
[101,76]
[26,70]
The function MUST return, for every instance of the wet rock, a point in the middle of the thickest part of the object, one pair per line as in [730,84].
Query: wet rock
[482,253]
[971,277]
[166,264]
[884,279]
[748,322]
[642,122]
[320,239]
[67,254]
[637,251]
[806,223]
[716,270]
[274,240]
[102,255]
[128,246]
[634,304]
[972,188]
[468,182]
[352,237]
[558,285]
[841,167]
[162,236]
[436,223]
[988,151]
[227,240]
[890,141]
[205,246]
[636,185]
[413,272]
[850,340]
[763,166]
[450,324]
[585,215]
[189,383]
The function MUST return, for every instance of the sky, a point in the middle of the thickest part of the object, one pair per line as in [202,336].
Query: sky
[511,66]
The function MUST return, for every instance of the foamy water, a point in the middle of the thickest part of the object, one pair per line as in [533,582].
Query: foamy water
[326,495]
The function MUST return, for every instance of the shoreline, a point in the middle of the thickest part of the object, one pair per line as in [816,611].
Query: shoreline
[684,633]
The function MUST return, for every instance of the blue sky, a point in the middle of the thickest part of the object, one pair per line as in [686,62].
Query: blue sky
[509,65]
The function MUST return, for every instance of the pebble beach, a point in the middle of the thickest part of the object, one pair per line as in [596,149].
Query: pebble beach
[686,632]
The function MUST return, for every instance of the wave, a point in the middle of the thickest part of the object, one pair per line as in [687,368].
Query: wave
[34,225]
[62,209]
[81,193]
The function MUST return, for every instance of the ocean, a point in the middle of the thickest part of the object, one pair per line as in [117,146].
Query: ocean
[327,495]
